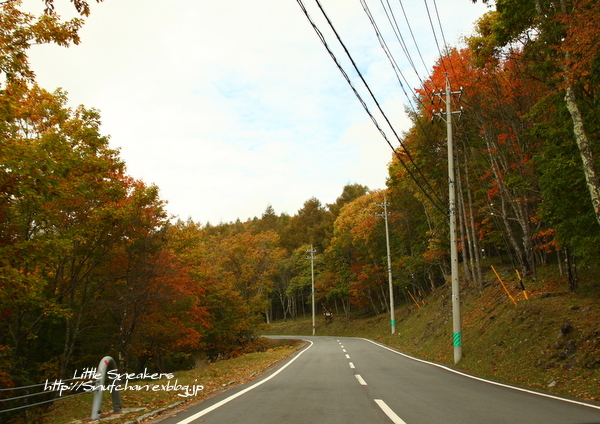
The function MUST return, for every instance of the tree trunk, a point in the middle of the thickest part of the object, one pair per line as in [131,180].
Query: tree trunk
[476,254]
[465,237]
[589,166]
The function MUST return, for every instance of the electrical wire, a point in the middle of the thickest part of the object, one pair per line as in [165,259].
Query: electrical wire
[440,208]
[391,17]
[435,35]
[322,38]
[446,46]
[439,23]
[386,50]
[389,13]
[398,33]
[393,62]
[412,34]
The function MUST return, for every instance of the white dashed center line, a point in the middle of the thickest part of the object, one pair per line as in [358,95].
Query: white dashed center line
[360,380]
[388,411]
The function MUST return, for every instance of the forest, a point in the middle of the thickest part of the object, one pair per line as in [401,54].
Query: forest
[92,265]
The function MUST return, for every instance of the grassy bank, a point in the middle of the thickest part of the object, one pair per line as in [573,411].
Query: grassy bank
[550,342]
[138,404]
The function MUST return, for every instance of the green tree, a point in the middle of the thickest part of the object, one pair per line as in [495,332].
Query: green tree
[69,212]
[350,192]
[311,225]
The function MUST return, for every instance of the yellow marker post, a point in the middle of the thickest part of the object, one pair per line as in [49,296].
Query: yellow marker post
[414,300]
[522,285]
[502,282]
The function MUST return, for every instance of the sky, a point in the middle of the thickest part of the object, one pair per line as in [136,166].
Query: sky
[230,106]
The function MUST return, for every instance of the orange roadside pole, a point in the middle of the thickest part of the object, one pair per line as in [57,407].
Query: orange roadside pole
[414,300]
[522,285]
[503,285]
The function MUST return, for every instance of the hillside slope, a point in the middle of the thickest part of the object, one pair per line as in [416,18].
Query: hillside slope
[550,342]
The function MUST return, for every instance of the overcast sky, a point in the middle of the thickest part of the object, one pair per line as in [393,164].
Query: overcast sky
[229,106]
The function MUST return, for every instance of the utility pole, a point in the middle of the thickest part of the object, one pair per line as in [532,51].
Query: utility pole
[389,261]
[456,320]
[312,252]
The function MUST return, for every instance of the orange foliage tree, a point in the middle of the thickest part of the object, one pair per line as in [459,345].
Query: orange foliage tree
[78,237]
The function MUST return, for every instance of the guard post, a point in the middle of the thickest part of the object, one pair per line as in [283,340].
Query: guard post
[106,364]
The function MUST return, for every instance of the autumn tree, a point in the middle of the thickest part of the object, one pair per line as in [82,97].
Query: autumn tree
[21,30]
[237,270]
[81,242]
[81,6]
[292,285]
[419,231]
[562,37]
[358,254]
[311,225]
[350,192]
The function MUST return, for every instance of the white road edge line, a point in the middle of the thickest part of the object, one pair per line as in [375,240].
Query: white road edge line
[360,380]
[241,392]
[388,411]
[576,402]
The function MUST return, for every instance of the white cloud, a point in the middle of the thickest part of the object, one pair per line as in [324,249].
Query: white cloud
[231,105]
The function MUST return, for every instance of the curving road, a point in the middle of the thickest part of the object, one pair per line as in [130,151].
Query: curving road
[349,380]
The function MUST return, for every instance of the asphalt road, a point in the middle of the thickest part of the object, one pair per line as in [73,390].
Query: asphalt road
[349,380]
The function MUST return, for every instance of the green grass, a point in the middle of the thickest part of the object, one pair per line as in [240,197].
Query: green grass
[520,344]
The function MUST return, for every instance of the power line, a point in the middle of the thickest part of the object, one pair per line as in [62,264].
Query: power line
[396,69]
[386,49]
[389,13]
[446,46]
[413,36]
[398,34]
[440,208]
[435,35]
[439,22]
[344,74]
[391,17]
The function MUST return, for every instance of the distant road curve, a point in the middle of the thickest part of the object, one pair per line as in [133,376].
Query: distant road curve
[337,380]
